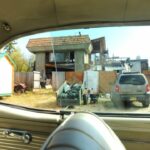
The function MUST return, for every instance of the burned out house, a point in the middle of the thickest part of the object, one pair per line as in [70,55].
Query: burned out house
[67,53]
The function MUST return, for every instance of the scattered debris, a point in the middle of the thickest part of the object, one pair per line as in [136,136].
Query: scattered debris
[70,95]
[20,88]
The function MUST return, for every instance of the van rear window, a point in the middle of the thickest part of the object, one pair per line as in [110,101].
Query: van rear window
[132,79]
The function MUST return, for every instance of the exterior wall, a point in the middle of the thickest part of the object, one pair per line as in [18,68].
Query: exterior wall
[40,63]
[114,68]
[6,77]
[79,60]
[136,66]
[86,59]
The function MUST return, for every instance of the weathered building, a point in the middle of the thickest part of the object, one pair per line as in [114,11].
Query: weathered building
[68,53]
[99,53]
[125,64]
[114,66]
[139,65]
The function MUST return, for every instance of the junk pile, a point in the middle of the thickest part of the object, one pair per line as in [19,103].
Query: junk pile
[69,95]
[20,88]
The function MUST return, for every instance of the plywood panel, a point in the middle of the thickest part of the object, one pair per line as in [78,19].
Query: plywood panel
[74,77]
[147,74]
[107,79]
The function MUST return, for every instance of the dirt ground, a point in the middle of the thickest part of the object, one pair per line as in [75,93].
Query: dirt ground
[105,105]
[46,99]
[41,99]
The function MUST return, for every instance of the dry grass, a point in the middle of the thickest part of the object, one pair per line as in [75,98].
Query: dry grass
[41,99]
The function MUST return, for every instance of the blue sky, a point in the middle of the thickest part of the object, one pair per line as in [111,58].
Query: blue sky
[120,41]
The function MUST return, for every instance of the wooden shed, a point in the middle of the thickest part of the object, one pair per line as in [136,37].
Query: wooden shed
[6,75]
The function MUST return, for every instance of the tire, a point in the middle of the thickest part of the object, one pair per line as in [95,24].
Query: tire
[118,103]
[146,102]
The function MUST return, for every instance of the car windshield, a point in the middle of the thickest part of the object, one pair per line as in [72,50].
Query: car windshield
[132,79]
[77,70]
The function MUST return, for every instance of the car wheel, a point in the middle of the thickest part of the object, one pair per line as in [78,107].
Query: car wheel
[146,102]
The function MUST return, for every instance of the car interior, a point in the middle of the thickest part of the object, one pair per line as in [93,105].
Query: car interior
[28,128]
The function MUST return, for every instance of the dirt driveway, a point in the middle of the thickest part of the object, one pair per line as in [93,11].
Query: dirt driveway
[106,105]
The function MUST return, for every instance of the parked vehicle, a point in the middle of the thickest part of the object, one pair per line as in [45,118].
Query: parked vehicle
[131,85]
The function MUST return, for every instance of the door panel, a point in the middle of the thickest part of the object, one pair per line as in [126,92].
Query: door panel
[133,132]
[36,124]
[13,143]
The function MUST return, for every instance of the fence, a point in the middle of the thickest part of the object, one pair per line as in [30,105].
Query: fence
[31,79]
[74,77]
[59,78]
[107,80]
[101,81]
[147,74]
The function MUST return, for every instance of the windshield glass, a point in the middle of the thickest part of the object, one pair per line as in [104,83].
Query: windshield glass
[77,70]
